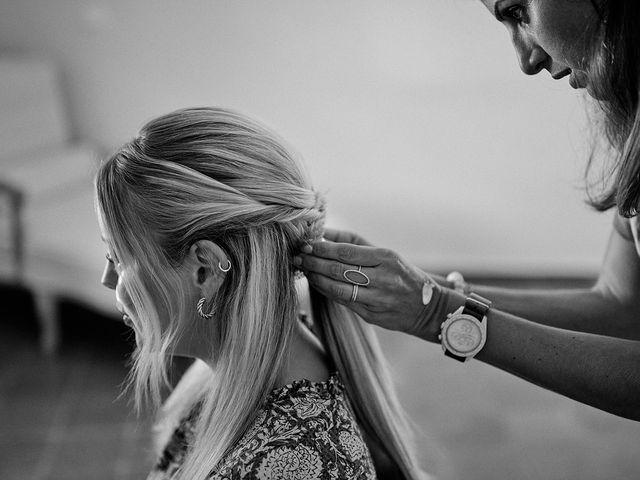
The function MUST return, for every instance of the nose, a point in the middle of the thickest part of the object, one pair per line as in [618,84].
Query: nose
[532,57]
[109,276]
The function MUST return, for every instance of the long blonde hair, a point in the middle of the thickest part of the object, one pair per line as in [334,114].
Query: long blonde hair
[211,173]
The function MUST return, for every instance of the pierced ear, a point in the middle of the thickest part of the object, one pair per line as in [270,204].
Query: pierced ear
[205,256]
[202,275]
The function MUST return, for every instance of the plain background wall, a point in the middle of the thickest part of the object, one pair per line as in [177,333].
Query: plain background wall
[412,115]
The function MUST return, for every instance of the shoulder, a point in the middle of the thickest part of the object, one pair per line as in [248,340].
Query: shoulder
[305,431]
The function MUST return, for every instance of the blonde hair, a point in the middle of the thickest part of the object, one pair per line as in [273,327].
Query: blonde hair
[211,173]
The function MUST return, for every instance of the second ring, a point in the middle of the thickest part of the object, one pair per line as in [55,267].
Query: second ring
[354,294]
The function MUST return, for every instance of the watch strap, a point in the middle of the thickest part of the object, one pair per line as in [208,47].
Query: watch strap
[454,356]
[476,306]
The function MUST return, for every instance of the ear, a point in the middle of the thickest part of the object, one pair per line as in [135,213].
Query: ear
[203,262]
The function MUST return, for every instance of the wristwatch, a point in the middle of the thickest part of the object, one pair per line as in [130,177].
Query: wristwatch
[464,332]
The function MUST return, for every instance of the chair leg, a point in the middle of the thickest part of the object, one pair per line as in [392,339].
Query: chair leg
[47,313]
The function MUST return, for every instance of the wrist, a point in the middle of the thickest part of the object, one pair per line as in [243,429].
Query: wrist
[433,315]
[464,333]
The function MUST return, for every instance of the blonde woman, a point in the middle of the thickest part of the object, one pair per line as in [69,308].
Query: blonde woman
[202,214]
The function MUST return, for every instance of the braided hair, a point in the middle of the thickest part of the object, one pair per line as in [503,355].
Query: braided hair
[213,174]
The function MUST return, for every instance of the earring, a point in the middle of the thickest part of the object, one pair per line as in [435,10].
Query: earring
[227,268]
[199,306]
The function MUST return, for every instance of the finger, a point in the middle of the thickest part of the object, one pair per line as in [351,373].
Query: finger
[335,235]
[343,236]
[349,253]
[359,308]
[341,292]
[362,312]
[335,270]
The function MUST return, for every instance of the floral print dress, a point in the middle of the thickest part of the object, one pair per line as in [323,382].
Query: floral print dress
[305,430]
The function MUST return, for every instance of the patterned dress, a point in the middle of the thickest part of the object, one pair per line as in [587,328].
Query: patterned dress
[305,430]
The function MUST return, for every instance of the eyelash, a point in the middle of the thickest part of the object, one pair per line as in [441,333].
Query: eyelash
[110,259]
[516,13]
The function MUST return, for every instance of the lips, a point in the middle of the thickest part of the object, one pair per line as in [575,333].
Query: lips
[127,320]
[561,74]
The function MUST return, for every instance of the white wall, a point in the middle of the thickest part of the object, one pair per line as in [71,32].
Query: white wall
[394,104]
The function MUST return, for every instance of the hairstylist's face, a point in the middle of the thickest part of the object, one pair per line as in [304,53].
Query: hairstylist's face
[552,35]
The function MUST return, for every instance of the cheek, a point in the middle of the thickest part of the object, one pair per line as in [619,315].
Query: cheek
[569,33]
[123,297]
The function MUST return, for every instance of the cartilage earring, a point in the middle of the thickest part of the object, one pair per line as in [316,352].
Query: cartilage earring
[199,306]
[227,268]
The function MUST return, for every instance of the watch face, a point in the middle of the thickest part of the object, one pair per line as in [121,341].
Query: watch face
[464,335]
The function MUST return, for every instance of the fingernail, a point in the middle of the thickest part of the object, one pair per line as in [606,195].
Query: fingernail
[307,248]
[297,261]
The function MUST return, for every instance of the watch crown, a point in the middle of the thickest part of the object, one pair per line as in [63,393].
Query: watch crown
[439,337]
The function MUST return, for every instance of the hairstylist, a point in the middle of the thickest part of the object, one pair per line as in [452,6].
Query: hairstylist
[584,344]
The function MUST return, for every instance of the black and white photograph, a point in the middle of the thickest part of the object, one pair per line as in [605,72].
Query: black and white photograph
[319,240]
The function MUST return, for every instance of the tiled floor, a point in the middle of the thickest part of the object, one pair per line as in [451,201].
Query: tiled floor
[60,419]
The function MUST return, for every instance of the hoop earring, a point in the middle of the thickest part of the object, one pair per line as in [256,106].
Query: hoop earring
[199,306]
[227,268]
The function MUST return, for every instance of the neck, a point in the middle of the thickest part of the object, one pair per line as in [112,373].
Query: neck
[307,359]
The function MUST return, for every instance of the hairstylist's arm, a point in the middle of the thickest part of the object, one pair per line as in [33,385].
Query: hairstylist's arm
[611,307]
[592,368]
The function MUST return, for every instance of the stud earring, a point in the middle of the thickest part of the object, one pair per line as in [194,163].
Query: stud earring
[227,268]
[199,306]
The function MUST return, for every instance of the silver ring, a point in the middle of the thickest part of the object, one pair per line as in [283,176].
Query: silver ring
[358,272]
[354,294]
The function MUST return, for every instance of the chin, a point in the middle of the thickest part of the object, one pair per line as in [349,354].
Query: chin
[580,81]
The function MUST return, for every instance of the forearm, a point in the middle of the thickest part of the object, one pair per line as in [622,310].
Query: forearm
[588,310]
[585,310]
[611,307]
[600,371]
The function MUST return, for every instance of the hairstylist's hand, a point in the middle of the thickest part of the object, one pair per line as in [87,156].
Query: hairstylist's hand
[344,236]
[388,291]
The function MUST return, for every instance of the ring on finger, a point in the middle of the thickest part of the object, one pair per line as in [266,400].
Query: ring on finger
[361,280]
[354,294]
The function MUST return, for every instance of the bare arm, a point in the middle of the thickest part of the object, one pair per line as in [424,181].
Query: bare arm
[597,370]
[611,307]
[563,341]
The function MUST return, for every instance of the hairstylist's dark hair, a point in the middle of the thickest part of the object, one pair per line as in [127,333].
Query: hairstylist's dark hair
[614,79]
